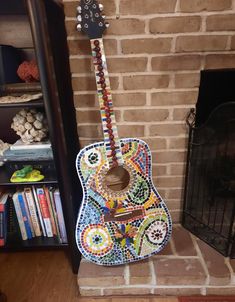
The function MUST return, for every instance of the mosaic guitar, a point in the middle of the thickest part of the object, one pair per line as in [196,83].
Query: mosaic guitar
[122,217]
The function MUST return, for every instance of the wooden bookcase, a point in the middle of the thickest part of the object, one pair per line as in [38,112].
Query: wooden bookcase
[39,31]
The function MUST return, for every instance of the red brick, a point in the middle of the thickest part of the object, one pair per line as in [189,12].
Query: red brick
[233,43]
[129,99]
[87,83]
[90,274]
[168,156]
[147,115]
[176,216]
[183,242]
[125,291]
[90,132]
[167,130]
[178,143]
[179,272]
[83,65]
[175,194]
[207,5]
[168,182]
[187,80]
[140,272]
[180,114]
[174,98]
[220,22]
[220,61]
[131,131]
[175,24]
[156,143]
[85,100]
[159,170]
[126,64]
[228,290]
[88,292]
[148,45]
[177,169]
[177,291]
[218,270]
[166,251]
[176,62]
[88,116]
[126,27]
[201,43]
[145,82]
[83,47]
[137,7]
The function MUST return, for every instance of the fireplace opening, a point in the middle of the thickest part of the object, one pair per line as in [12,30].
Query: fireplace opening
[209,196]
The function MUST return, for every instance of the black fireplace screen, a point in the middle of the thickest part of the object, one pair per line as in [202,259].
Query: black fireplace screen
[209,199]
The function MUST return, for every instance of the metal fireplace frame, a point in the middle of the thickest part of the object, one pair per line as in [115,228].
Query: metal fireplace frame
[209,194]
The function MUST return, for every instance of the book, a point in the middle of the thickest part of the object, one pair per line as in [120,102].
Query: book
[52,218]
[12,223]
[19,216]
[39,211]
[25,215]
[28,154]
[51,193]
[32,211]
[3,218]
[45,211]
[60,216]
[20,145]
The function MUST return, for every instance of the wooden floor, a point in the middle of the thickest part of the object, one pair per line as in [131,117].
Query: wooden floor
[46,276]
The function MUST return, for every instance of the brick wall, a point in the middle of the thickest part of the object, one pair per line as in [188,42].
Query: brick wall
[155,50]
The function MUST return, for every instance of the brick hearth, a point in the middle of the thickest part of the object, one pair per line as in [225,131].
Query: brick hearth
[187,266]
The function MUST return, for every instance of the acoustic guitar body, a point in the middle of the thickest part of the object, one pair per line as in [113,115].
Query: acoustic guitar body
[122,217]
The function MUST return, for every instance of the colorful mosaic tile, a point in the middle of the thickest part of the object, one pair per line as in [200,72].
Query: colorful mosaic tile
[114,228]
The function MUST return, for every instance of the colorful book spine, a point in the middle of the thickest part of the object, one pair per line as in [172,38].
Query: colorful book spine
[45,211]
[39,212]
[60,216]
[2,234]
[32,210]
[19,216]
[52,218]
[25,215]
[51,193]
[3,219]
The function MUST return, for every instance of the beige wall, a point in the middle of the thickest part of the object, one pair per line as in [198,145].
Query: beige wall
[155,51]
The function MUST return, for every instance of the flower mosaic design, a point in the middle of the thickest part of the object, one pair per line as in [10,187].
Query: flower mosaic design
[125,234]
[93,158]
[157,232]
[113,206]
[96,239]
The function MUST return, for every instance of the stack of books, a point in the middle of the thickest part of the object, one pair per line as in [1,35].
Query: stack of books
[38,213]
[20,151]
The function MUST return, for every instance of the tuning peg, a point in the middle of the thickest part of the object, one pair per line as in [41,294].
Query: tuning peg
[79,18]
[79,27]
[101,7]
[79,9]
[107,24]
[103,16]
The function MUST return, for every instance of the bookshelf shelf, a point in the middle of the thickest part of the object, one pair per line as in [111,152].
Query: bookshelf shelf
[47,43]
[31,104]
[5,179]
[14,242]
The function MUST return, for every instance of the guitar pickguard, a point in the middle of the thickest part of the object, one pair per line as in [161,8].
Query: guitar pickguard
[117,227]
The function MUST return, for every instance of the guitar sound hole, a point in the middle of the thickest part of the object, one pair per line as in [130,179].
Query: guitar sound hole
[117,179]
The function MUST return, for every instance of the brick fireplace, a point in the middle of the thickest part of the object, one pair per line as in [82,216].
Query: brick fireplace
[155,51]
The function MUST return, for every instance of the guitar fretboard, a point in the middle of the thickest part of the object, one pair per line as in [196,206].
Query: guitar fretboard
[111,140]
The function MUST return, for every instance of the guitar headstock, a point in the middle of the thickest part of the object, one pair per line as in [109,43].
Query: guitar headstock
[90,19]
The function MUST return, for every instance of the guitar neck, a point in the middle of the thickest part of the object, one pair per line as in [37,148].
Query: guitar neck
[111,140]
